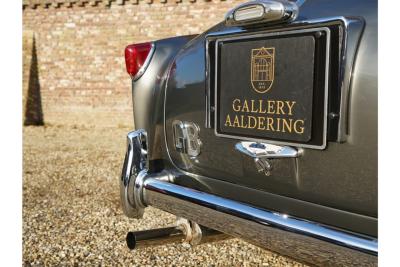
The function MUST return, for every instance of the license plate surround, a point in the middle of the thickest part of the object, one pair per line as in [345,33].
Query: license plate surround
[320,86]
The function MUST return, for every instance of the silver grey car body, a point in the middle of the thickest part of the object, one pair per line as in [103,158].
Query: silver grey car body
[324,201]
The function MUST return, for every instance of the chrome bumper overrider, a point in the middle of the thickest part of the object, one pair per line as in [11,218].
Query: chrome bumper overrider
[300,239]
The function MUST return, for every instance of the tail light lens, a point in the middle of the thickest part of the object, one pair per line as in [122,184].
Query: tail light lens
[137,57]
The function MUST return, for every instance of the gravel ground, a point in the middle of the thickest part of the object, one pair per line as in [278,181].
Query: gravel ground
[72,215]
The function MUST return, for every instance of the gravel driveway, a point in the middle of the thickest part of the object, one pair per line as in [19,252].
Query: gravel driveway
[72,215]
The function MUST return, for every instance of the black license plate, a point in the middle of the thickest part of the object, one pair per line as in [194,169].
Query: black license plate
[272,87]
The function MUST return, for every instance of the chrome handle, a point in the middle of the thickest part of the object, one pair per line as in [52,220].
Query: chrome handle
[269,151]
[263,152]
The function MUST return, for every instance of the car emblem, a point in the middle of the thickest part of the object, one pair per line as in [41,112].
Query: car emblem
[186,137]
[262,68]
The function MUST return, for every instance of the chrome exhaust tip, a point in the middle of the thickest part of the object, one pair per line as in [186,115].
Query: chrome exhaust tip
[154,237]
[184,231]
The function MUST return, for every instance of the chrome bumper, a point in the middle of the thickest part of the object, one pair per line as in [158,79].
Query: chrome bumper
[300,239]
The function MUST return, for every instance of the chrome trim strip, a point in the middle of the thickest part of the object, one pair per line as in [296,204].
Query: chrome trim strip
[146,63]
[303,240]
[207,123]
[353,29]
[327,31]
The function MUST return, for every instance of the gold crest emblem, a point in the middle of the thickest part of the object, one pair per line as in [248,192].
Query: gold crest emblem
[262,68]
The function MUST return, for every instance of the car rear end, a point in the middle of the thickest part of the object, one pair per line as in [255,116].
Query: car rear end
[265,128]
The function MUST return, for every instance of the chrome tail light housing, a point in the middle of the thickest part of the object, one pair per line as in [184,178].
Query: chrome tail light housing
[261,11]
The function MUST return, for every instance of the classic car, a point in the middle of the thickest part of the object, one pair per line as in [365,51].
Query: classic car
[263,128]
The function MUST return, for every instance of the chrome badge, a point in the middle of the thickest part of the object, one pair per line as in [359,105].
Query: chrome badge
[186,137]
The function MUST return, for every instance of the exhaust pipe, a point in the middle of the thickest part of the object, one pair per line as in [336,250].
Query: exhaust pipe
[185,231]
[300,239]
[154,237]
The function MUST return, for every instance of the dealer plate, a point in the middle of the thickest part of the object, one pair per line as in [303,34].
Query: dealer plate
[265,87]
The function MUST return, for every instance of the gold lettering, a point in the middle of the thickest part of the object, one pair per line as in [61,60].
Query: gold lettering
[236,122]
[242,122]
[261,105]
[271,107]
[288,125]
[290,106]
[228,120]
[252,107]
[270,127]
[254,120]
[300,129]
[261,121]
[236,107]
[278,124]
[245,106]
[279,107]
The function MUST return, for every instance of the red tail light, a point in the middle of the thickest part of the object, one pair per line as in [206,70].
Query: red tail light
[137,56]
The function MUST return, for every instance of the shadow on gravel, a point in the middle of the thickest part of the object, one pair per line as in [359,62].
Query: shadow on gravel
[33,112]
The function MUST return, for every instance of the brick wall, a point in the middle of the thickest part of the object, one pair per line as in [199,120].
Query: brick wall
[80,46]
